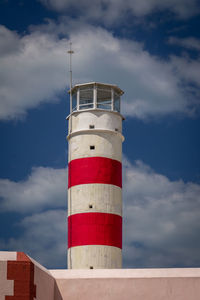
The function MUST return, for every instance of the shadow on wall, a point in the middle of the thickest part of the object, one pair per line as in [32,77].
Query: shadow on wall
[57,294]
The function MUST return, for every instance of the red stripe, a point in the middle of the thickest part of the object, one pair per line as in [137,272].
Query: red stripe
[94,229]
[94,170]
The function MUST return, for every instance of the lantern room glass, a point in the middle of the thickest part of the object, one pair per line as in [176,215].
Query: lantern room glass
[96,97]
[104,98]
[86,98]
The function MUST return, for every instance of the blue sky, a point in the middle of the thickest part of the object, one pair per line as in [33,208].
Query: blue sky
[150,49]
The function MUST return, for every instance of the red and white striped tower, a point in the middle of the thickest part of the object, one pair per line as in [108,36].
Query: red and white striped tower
[95,177]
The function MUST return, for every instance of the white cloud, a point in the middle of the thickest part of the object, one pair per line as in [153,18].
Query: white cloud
[44,238]
[37,71]
[189,42]
[32,71]
[111,11]
[187,69]
[161,221]
[9,41]
[44,188]
[161,224]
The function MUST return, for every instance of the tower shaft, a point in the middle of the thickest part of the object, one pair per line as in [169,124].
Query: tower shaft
[95,189]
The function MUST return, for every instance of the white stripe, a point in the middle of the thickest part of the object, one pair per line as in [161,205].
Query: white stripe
[106,145]
[104,198]
[96,256]
[101,119]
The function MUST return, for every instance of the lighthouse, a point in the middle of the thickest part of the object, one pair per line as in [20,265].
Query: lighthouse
[95,177]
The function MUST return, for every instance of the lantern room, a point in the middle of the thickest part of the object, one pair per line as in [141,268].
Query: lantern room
[95,96]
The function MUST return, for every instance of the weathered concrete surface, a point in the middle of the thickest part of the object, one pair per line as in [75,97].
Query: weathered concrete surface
[95,148]
[101,119]
[104,198]
[95,256]
[107,144]
[145,284]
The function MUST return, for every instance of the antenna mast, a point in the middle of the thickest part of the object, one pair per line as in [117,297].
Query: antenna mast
[70,71]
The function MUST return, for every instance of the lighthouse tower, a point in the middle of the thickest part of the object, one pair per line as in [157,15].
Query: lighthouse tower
[95,177]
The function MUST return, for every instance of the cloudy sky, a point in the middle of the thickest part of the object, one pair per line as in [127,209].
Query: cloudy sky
[151,50]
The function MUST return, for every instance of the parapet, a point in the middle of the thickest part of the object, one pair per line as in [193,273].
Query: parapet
[21,277]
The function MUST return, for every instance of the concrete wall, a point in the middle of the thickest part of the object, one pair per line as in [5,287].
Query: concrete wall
[126,284]
[95,256]
[83,197]
[99,194]
[101,284]
[44,282]
[101,119]
[107,144]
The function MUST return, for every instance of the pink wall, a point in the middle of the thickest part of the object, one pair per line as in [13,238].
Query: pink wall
[151,284]
[23,278]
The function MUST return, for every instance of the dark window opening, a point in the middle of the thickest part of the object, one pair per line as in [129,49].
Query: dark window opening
[92,147]
[91,267]
[91,126]
[90,206]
